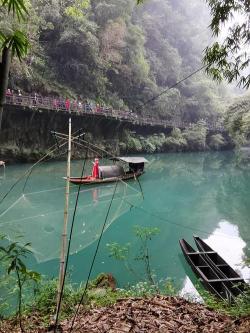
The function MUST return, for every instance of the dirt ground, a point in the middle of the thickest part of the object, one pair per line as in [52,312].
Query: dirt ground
[161,314]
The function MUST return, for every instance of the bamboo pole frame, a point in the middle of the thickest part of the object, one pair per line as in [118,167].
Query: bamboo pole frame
[64,233]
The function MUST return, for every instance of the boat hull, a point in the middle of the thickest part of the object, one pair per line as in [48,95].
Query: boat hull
[208,277]
[91,180]
[234,281]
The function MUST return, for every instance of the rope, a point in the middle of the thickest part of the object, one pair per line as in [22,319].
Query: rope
[93,260]
[69,244]
[137,178]
[52,149]
[32,167]
[23,175]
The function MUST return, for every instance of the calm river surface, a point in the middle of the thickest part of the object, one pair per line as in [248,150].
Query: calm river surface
[206,194]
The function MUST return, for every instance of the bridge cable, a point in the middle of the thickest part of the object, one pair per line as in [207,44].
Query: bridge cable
[25,174]
[93,259]
[171,87]
[155,215]
[32,168]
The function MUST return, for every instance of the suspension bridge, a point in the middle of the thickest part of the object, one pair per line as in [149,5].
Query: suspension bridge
[82,109]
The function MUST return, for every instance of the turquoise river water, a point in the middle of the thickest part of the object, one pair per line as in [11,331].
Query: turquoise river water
[206,194]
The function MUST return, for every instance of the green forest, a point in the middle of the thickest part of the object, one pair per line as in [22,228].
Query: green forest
[121,54]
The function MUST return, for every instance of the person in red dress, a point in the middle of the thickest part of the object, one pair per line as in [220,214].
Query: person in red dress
[95,170]
[67,104]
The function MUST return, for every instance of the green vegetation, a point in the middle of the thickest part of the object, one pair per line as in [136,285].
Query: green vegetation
[122,253]
[12,256]
[240,307]
[237,120]
[217,142]
[195,138]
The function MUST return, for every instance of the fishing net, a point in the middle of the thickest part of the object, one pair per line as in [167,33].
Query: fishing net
[37,217]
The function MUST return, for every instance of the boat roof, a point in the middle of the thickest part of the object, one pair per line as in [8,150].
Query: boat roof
[134,159]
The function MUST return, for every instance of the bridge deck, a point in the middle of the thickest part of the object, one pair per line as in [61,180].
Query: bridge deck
[59,105]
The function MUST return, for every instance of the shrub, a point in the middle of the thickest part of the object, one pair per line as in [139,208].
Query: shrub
[216,141]
[196,136]
[175,142]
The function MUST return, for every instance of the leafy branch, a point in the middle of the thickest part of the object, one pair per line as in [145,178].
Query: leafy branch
[121,252]
[15,253]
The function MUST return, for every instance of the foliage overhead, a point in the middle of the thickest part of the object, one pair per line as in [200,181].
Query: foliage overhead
[17,7]
[230,59]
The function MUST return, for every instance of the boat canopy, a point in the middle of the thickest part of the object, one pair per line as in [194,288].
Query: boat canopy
[109,171]
[132,160]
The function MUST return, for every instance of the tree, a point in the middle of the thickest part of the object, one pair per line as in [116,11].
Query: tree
[237,120]
[12,43]
[230,59]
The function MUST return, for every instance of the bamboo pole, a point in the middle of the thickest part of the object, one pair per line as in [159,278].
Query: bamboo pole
[64,233]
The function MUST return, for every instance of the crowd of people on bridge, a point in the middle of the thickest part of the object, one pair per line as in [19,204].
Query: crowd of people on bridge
[60,103]
[86,106]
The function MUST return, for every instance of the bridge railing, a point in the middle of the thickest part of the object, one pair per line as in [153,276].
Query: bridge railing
[61,105]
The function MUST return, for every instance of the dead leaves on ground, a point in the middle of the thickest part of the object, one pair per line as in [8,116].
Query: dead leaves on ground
[158,314]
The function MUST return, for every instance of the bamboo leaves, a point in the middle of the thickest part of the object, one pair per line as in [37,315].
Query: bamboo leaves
[230,59]
[17,7]
[19,44]
[16,39]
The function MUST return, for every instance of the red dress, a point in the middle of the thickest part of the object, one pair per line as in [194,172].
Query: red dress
[67,104]
[95,170]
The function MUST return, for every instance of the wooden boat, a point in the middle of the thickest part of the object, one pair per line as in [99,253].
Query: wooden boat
[113,173]
[209,278]
[233,280]
[89,180]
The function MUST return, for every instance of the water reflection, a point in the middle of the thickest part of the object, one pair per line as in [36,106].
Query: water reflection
[230,246]
[189,291]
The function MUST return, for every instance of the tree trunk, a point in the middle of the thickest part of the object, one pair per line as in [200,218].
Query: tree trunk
[4,76]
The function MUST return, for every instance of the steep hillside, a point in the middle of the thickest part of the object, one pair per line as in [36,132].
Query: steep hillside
[121,54]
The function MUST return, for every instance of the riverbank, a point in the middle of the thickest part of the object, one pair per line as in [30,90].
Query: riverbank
[26,136]
[102,307]
[149,314]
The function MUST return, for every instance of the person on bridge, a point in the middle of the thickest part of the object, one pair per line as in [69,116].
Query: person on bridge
[67,104]
[19,99]
[55,104]
[79,106]
[95,169]
[35,99]
[9,96]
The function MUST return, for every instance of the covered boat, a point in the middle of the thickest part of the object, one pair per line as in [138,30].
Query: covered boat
[132,167]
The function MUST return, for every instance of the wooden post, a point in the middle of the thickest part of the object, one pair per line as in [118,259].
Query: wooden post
[64,233]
